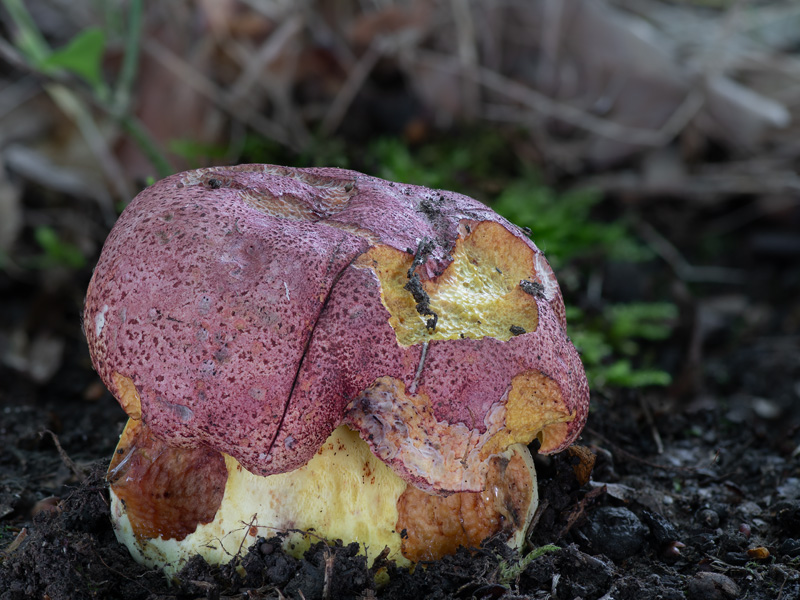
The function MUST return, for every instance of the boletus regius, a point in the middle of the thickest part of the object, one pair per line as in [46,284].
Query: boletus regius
[317,350]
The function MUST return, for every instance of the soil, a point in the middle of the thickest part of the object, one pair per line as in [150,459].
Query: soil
[695,491]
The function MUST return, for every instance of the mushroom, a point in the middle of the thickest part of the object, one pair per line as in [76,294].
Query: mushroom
[326,355]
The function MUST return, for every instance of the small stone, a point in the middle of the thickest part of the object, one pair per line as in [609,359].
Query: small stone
[766,409]
[266,548]
[707,518]
[790,547]
[711,586]
[616,532]
[661,529]
[738,559]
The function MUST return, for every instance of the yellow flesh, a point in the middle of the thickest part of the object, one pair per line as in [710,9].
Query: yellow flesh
[477,296]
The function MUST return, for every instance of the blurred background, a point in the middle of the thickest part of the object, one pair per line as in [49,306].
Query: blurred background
[651,146]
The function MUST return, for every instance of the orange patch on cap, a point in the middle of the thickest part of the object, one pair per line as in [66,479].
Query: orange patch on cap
[167,491]
[128,396]
[434,526]
[535,408]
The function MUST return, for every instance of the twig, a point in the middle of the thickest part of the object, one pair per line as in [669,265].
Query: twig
[329,560]
[467,55]
[133,580]
[578,512]
[12,547]
[276,49]
[77,111]
[412,389]
[17,94]
[355,80]
[76,470]
[717,55]
[202,84]
[680,265]
[648,415]
[633,457]
[737,219]
[711,188]
[536,518]
[780,592]
[247,528]
[544,105]
[553,12]
[267,53]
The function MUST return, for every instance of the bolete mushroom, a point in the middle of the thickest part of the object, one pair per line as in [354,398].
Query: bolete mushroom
[317,350]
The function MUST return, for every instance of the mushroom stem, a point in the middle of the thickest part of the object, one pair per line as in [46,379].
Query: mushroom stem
[345,492]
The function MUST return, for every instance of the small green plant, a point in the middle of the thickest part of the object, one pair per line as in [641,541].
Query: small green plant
[82,59]
[197,153]
[510,572]
[567,231]
[57,252]
[563,224]
[462,163]
[396,162]
[82,56]
[609,341]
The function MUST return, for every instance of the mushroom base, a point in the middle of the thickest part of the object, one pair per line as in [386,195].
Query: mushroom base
[165,517]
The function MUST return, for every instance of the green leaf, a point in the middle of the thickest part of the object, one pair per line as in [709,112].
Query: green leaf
[83,56]
[592,345]
[58,252]
[193,150]
[646,320]
[621,373]
[509,572]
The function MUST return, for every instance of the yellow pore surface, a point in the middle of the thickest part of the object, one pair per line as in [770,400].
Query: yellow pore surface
[478,295]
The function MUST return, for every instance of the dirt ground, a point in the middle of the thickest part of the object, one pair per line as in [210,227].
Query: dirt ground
[695,492]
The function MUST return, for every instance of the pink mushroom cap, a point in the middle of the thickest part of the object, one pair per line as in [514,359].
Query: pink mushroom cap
[253,309]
